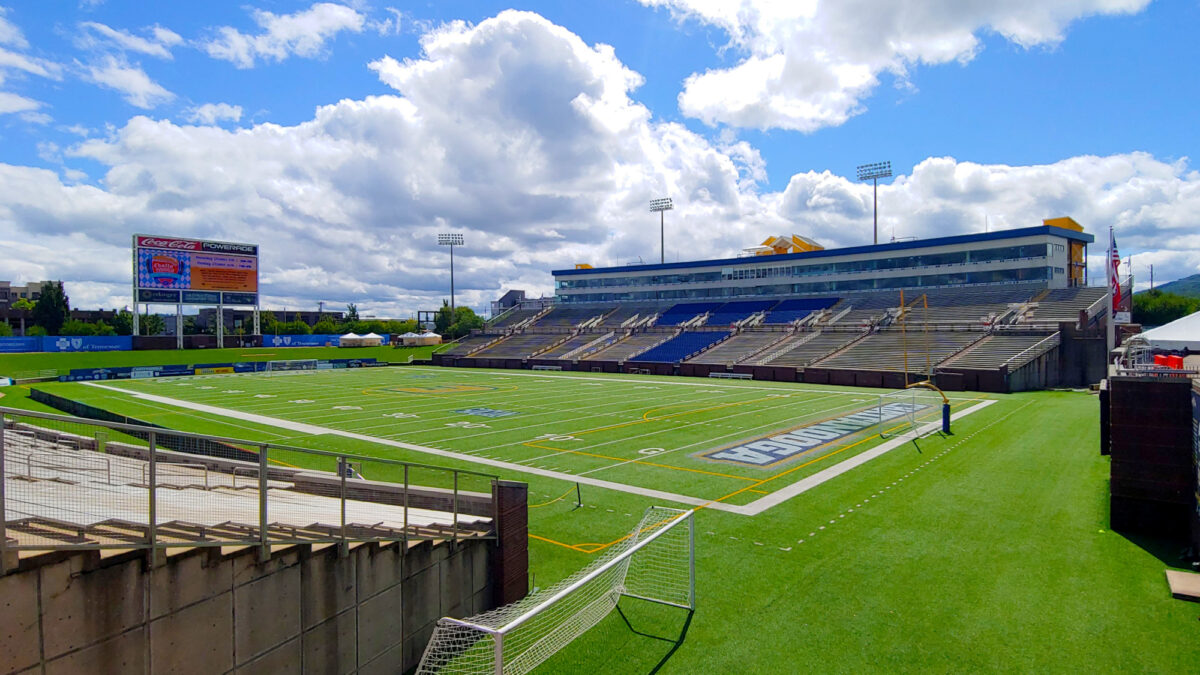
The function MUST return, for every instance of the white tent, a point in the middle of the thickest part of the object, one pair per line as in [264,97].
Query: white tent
[1178,335]
[350,340]
[371,340]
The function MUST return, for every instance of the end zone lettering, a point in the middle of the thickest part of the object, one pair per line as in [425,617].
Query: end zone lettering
[801,440]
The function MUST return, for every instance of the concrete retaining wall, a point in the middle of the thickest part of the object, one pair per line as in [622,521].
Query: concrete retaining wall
[302,611]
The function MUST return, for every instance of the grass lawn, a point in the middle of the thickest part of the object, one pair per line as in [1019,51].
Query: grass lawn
[987,550]
[39,364]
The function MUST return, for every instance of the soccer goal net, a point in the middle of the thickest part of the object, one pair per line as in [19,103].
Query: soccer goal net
[290,366]
[656,562]
[915,412]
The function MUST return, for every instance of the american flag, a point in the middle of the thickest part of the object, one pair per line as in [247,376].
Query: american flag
[1114,277]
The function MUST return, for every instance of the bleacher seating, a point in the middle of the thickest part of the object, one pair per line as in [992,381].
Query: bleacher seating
[866,307]
[965,305]
[739,347]
[566,315]
[515,317]
[681,346]
[572,343]
[732,312]
[685,311]
[796,308]
[623,313]
[999,349]
[885,350]
[468,344]
[623,349]
[1064,304]
[804,348]
[519,346]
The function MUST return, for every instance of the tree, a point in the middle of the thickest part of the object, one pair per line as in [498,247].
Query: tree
[24,305]
[36,331]
[296,327]
[5,330]
[458,324]
[152,324]
[325,326]
[123,322]
[268,324]
[1154,308]
[351,312]
[400,327]
[104,329]
[76,327]
[53,308]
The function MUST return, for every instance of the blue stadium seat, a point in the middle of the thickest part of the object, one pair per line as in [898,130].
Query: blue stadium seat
[681,346]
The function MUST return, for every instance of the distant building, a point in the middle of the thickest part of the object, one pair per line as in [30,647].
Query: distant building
[507,300]
[30,291]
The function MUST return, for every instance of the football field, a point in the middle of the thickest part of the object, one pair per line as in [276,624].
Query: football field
[820,545]
[740,446]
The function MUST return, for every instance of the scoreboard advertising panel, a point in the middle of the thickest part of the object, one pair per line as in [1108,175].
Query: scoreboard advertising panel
[172,270]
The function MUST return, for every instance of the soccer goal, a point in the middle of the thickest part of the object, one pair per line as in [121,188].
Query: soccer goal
[914,412]
[656,562]
[290,366]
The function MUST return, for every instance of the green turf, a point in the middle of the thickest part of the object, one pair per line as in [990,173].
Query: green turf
[984,551]
[40,364]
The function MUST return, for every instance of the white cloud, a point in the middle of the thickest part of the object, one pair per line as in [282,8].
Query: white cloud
[212,113]
[12,103]
[303,33]
[525,138]
[159,43]
[810,64]
[10,34]
[130,80]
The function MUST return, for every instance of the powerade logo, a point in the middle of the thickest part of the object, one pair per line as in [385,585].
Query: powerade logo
[485,412]
[786,446]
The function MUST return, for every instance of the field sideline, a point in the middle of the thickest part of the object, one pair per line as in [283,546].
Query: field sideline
[987,550]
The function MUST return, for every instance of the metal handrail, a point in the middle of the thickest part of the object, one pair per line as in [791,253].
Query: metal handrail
[47,464]
[268,530]
[122,426]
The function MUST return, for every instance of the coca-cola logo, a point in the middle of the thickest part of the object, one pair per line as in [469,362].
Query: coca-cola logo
[176,244]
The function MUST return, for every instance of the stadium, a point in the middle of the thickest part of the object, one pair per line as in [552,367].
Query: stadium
[256,416]
[901,450]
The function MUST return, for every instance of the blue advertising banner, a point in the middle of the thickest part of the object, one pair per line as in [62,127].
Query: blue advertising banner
[240,298]
[158,295]
[13,345]
[114,343]
[201,297]
[300,340]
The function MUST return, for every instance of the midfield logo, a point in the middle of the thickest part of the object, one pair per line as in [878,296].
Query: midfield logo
[802,440]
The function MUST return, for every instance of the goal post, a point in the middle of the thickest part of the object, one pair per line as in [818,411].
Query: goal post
[655,562]
[290,365]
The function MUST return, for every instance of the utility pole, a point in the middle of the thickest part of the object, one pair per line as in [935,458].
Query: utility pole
[451,240]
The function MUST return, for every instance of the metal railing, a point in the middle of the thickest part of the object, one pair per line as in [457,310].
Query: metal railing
[75,483]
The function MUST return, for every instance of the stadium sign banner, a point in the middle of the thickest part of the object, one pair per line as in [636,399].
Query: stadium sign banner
[108,343]
[174,264]
[309,340]
[157,295]
[16,345]
[801,440]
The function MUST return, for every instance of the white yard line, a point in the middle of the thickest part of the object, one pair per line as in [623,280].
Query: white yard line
[752,509]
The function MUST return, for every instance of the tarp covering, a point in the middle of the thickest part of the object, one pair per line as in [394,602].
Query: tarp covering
[1178,335]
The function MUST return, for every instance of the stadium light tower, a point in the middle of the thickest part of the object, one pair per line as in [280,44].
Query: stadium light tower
[451,240]
[873,172]
[661,205]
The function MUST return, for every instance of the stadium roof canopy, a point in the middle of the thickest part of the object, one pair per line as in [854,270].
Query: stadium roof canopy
[1181,333]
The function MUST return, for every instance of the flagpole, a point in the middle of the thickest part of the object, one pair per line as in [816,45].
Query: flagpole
[1111,328]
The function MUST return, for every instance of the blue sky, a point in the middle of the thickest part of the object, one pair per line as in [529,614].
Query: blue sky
[342,136]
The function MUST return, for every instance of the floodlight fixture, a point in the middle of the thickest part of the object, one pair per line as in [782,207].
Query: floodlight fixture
[451,240]
[661,205]
[873,172]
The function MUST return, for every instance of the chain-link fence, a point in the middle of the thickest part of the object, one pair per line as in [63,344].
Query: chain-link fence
[77,483]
